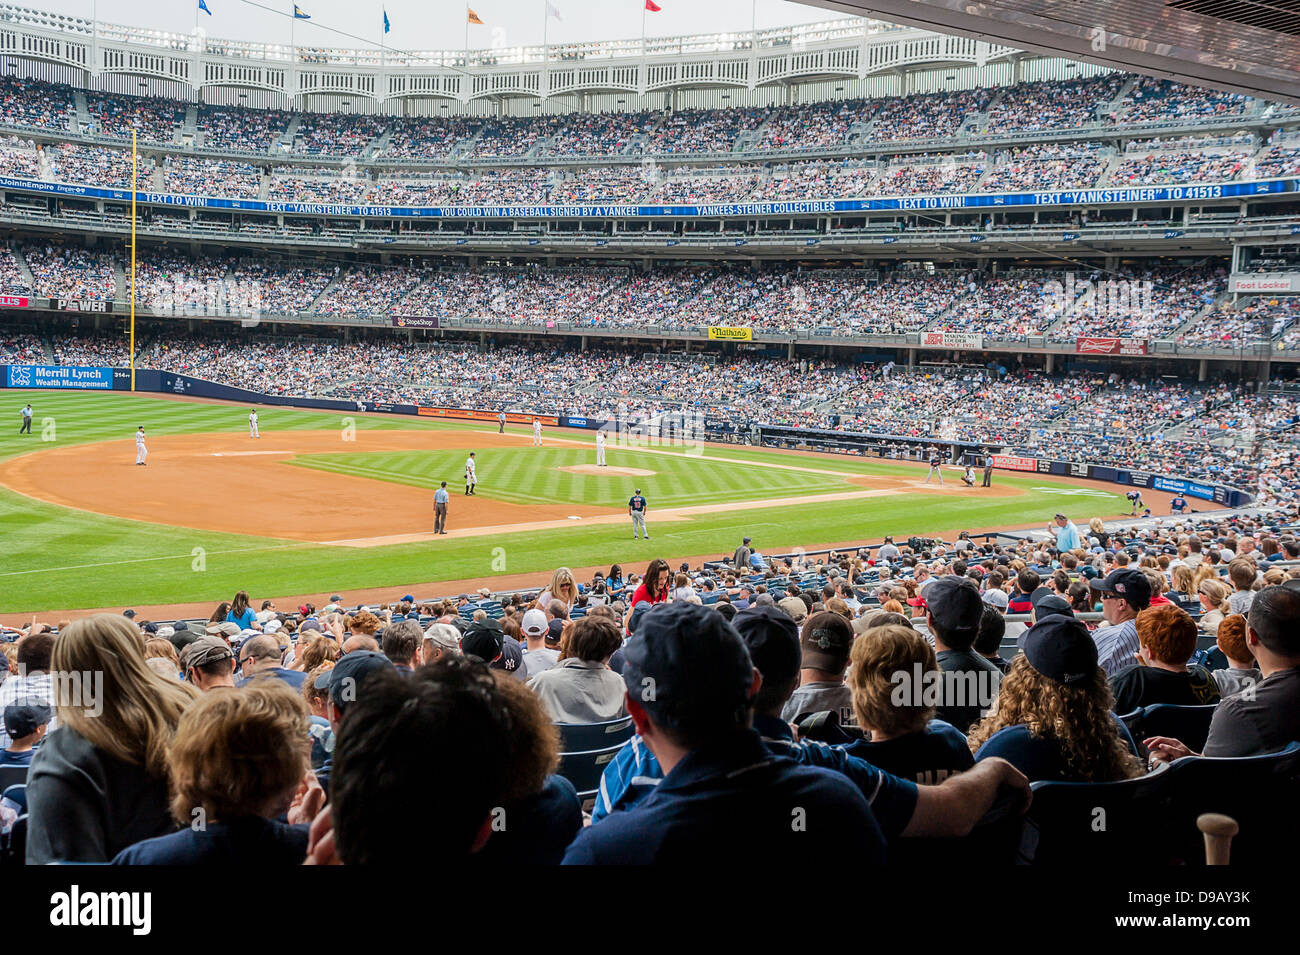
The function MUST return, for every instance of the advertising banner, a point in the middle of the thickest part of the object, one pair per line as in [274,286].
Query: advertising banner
[1110,346]
[468,414]
[1259,284]
[56,376]
[414,321]
[722,333]
[952,340]
[1009,463]
[14,301]
[81,305]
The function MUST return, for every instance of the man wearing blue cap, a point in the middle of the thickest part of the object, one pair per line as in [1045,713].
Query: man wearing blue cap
[717,789]
[344,681]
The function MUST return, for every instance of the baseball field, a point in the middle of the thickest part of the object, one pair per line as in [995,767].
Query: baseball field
[328,502]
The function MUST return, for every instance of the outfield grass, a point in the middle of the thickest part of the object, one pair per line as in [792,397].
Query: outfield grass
[533,476]
[56,558]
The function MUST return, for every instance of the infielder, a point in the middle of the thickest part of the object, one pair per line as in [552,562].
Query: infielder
[27,421]
[501,418]
[252,424]
[600,449]
[537,432]
[141,452]
[636,507]
[471,477]
[1135,498]
[935,462]
[440,499]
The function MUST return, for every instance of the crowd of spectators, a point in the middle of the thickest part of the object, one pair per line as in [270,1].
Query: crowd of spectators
[238,129]
[35,104]
[71,272]
[1052,104]
[154,119]
[1045,166]
[1162,167]
[927,115]
[1154,99]
[195,176]
[96,166]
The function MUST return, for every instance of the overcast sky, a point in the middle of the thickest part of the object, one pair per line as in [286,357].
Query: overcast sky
[440,24]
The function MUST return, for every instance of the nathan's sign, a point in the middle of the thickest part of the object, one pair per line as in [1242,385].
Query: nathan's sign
[1009,463]
[14,301]
[724,333]
[1111,346]
[952,340]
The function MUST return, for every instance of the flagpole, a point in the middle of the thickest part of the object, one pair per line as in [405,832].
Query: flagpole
[467,34]
[643,29]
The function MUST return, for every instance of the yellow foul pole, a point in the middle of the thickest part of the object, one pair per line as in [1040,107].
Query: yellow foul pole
[133,164]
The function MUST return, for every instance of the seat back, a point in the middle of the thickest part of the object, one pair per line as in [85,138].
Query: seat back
[16,794]
[587,748]
[1259,792]
[1188,724]
[1110,823]
[13,847]
[12,776]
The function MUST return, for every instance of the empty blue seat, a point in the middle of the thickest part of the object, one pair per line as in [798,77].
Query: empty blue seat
[587,748]
[1188,724]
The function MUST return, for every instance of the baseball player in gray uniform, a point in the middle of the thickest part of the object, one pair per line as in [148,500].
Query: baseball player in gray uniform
[636,507]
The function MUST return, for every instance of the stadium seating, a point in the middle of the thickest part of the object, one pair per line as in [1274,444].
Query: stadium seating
[587,748]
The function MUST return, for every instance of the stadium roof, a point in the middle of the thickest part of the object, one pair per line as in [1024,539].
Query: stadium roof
[1247,46]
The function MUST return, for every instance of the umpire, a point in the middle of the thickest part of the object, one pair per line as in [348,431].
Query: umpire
[988,470]
[440,499]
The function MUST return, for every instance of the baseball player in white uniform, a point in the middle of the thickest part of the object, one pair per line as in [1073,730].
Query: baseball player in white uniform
[141,452]
[537,432]
[471,477]
[252,424]
[600,449]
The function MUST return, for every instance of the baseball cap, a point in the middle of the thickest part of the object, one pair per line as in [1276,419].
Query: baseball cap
[795,608]
[1128,583]
[311,623]
[408,599]
[346,676]
[206,650]
[1060,648]
[955,604]
[166,630]
[996,598]
[534,623]
[825,641]
[697,662]
[554,630]
[483,639]
[24,720]
[444,635]
[1049,604]
[773,642]
[129,614]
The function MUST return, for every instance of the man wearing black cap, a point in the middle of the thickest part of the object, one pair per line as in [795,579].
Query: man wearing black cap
[344,682]
[690,686]
[486,640]
[970,682]
[684,655]
[1124,594]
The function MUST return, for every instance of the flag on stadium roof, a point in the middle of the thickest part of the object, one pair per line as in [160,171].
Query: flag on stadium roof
[472,17]
[652,6]
[386,23]
[298,14]
[204,7]
[553,11]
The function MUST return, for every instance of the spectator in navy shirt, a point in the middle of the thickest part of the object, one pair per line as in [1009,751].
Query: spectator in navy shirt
[905,738]
[238,761]
[1053,718]
[1161,673]
[25,725]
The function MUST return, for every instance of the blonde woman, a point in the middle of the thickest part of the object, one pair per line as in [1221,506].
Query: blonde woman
[563,587]
[1213,594]
[99,782]
[161,657]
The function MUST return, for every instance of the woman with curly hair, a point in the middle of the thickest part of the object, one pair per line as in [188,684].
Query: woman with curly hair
[1053,719]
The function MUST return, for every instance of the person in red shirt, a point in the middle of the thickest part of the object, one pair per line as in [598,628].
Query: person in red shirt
[654,586]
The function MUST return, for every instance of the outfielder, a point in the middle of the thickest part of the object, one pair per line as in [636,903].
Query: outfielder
[141,452]
[636,507]
[537,432]
[252,424]
[471,477]
[935,462]
[600,449]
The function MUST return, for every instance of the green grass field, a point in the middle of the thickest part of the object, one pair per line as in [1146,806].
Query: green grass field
[57,558]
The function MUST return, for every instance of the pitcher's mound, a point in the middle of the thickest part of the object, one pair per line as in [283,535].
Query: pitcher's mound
[593,469]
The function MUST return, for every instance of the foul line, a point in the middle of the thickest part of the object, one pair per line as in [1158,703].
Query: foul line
[145,560]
